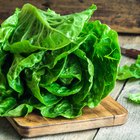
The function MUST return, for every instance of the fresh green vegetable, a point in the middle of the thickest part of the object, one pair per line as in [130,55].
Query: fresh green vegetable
[55,64]
[135,97]
[132,71]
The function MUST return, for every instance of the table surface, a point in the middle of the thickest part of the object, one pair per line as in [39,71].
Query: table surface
[128,131]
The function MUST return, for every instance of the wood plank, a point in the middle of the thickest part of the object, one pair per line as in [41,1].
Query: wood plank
[6,131]
[86,135]
[124,20]
[79,135]
[108,113]
[130,41]
[131,129]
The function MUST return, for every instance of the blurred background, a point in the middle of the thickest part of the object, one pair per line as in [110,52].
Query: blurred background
[121,15]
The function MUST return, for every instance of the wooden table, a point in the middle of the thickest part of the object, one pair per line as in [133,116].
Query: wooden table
[128,131]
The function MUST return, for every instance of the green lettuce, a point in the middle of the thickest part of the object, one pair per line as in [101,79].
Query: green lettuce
[132,71]
[55,64]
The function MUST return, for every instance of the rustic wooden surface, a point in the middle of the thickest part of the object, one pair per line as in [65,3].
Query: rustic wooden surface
[128,131]
[121,15]
[108,113]
[7,7]
[131,130]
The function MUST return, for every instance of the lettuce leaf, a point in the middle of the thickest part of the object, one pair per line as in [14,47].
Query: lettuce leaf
[132,71]
[55,64]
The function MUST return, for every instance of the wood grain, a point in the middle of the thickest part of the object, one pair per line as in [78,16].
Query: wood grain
[108,113]
[121,15]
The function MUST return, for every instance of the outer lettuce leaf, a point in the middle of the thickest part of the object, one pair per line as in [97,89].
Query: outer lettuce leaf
[21,110]
[132,71]
[55,64]
[65,108]
[49,32]
[105,56]
[18,65]
[6,29]
[6,104]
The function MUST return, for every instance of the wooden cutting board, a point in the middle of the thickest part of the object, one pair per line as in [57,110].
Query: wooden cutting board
[108,113]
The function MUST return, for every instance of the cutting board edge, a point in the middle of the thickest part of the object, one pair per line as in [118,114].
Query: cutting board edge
[77,125]
[30,132]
